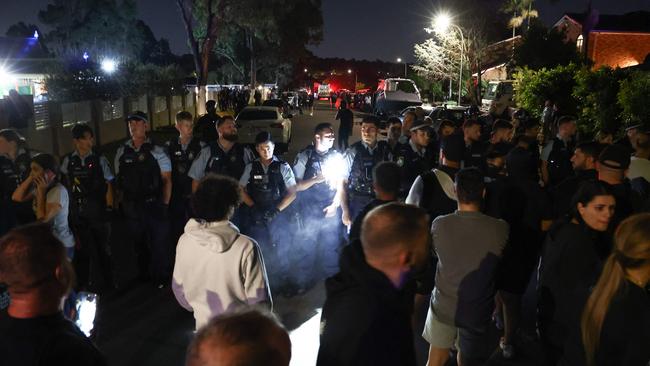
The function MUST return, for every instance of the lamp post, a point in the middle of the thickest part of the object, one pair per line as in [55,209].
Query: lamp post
[399,60]
[441,24]
[355,79]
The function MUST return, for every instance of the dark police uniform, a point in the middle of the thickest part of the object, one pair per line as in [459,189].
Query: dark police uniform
[86,179]
[267,186]
[361,160]
[12,173]
[139,179]
[182,157]
[475,156]
[317,245]
[557,154]
[412,163]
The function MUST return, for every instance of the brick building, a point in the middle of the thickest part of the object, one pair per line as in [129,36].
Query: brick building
[609,40]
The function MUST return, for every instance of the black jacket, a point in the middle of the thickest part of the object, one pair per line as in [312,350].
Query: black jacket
[365,320]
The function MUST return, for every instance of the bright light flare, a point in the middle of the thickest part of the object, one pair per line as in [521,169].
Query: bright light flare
[86,306]
[109,66]
[442,22]
[399,59]
[334,169]
[6,77]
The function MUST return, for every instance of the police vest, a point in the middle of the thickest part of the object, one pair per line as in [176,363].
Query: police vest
[360,180]
[139,177]
[411,163]
[559,161]
[229,163]
[319,192]
[181,163]
[266,188]
[14,172]
[87,186]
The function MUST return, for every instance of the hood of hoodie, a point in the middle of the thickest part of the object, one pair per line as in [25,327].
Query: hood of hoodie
[216,236]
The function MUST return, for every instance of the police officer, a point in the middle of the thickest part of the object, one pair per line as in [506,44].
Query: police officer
[182,152]
[556,155]
[15,159]
[318,200]
[88,179]
[414,157]
[225,156]
[144,180]
[206,124]
[269,187]
[474,148]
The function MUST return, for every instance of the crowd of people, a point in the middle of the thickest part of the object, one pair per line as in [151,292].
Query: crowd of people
[469,215]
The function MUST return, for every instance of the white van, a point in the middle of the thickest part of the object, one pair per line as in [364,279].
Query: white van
[395,94]
[499,95]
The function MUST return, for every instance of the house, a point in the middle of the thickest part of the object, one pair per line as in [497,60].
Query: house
[609,40]
[23,62]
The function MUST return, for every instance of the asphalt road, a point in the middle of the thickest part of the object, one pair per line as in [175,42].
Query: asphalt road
[141,325]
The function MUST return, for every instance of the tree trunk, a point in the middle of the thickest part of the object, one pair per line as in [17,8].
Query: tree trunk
[201,99]
[253,61]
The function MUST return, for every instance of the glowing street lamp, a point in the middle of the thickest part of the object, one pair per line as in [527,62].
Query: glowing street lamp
[441,24]
[109,66]
[399,60]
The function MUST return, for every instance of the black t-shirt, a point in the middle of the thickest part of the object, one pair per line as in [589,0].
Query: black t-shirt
[46,340]
[347,117]
[625,333]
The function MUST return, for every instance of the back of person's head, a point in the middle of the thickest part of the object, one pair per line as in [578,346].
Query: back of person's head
[32,259]
[210,104]
[387,177]
[344,104]
[391,228]
[470,186]
[518,164]
[47,162]
[80,129]
[631,252]
[216,198]
[392,120]
[245,338]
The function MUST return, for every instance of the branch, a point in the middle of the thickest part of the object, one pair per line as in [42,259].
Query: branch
[231,59]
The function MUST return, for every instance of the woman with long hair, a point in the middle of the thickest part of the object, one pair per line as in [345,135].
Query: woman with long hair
[615,324]
[49,198]
[573,255]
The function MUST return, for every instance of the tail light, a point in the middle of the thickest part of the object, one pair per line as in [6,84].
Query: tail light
[276,125]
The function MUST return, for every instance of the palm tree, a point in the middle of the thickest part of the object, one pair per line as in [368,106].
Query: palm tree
[521,10]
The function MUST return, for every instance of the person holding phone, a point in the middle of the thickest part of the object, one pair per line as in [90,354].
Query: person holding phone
[49,197]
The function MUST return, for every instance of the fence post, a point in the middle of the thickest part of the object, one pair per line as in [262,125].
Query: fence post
[97,117]
[56,122]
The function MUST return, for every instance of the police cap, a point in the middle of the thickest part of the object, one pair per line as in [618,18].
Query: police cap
[137,116]
[615,157]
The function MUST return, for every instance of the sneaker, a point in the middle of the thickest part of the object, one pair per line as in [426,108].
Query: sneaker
[507,350]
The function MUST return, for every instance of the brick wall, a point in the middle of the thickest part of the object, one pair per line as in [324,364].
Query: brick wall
[618,49]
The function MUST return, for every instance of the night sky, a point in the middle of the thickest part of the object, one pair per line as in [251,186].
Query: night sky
[362,29]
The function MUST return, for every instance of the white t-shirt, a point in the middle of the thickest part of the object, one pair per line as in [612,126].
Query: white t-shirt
[639,167]
[60,228]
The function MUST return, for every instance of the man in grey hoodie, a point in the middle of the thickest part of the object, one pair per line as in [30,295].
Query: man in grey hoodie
[217,269]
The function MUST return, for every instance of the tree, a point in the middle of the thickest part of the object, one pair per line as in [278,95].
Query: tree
[203,20]
[597,94]
[534,87]
[521,10]
[102,28]
[633,97]
[543,48]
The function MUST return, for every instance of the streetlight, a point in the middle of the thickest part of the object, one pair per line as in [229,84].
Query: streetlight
[441,24]
[399,60]
[109,66]
[355,79]
[305,70]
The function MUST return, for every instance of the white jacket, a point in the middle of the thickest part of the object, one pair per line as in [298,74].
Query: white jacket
[218,269]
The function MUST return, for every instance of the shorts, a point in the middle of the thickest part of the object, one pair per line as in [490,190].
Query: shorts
[470,343]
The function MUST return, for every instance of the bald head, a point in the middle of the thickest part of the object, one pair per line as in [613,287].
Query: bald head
[393,227]
[248,338]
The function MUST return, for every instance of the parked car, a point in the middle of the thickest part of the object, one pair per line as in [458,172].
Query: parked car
[278,103]
[253,120]
[453,113]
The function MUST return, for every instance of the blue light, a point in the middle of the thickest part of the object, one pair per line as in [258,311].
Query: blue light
[36,34]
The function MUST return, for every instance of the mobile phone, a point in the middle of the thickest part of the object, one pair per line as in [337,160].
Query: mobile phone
[86,308]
